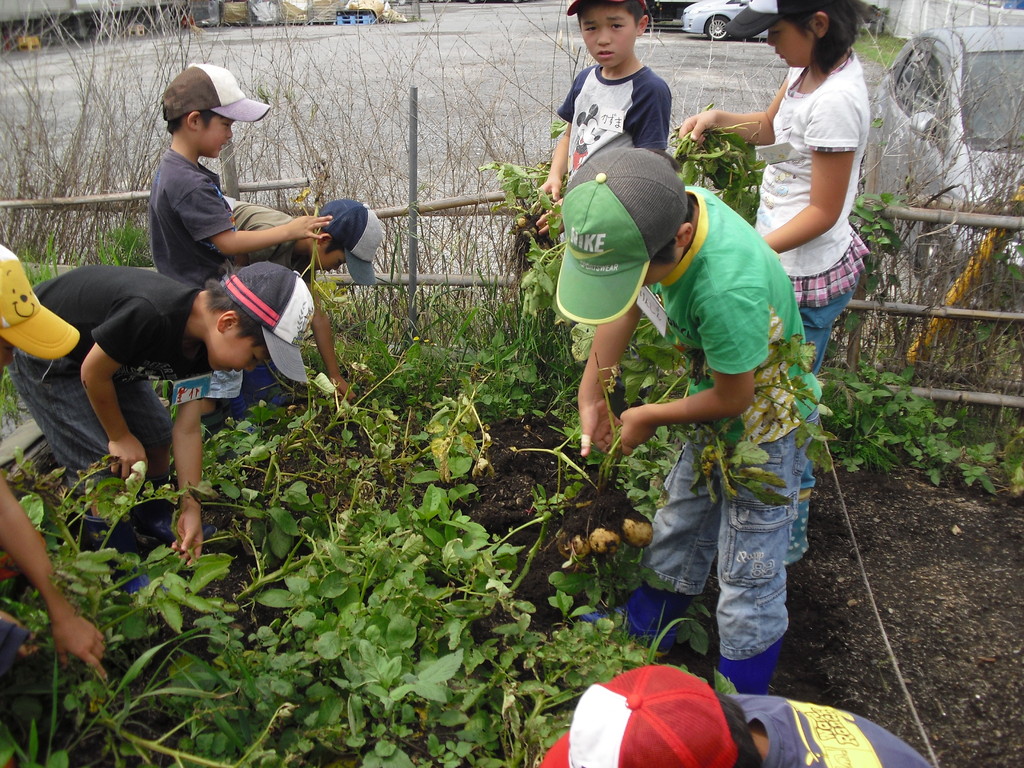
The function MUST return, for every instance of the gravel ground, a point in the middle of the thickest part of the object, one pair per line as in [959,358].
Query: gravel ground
[488,80]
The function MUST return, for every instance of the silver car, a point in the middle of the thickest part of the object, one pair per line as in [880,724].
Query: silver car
[709,17]
[950,117]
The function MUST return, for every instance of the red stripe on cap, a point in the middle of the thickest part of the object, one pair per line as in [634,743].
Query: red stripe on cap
[263,311]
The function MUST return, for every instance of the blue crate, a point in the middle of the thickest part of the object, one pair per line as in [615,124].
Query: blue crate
[356,17]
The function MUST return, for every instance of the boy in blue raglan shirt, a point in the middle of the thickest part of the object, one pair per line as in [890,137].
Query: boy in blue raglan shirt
[618,102]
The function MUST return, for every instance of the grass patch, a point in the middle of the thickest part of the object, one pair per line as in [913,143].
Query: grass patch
[881,49]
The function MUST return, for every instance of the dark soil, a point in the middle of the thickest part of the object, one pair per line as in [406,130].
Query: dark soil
[943,566]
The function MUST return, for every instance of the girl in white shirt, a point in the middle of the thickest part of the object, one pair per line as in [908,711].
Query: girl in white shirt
[819,119]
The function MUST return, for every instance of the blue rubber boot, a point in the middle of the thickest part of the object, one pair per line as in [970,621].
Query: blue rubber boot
[647,611]
[154,518]
[754,674]
[122,538]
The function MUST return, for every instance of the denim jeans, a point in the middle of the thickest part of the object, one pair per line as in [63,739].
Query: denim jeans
[749,537]
[225,385]
[818,322]
[53,392]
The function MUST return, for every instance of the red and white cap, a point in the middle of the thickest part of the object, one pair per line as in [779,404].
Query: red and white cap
[276,297]
[651,717]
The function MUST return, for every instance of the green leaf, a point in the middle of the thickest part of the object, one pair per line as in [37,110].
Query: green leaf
[171,612]
[435,502]
[333,584]
[276,598]
[284,520]
[329,645]
[426,476]
[297,494]
[401,632]
[229,489]
[280,542]
[443,669]
[209,568]
[32,503]
[138,665]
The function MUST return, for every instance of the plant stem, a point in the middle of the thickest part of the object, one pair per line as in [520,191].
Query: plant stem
[545,519]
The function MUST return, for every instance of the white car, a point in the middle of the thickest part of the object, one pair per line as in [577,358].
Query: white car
[709,17]
[949,117]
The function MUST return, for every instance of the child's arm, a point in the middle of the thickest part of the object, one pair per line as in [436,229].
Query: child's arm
[559,167]
[323,335]
[187,442]
[232,242]
[71,633]
[610,342]
[98,370]
[754,127]
[830,178]
[731,395]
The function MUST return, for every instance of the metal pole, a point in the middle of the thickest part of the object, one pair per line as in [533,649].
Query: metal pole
[413,214]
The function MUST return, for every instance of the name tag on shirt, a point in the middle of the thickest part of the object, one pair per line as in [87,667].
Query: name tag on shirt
[653,310]
[612,120]
[187,390]
[776,153]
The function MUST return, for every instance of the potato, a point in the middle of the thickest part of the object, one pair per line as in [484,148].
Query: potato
[580,547]
[562,542]
[575,549]
[603,541]
[637,533]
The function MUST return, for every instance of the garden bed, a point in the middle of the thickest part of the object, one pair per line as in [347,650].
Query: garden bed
[944,566]
[340,588]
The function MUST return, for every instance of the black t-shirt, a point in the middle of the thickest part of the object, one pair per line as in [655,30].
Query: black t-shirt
[186,209]
[135,315]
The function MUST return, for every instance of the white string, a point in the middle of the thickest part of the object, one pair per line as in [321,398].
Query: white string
[881,626]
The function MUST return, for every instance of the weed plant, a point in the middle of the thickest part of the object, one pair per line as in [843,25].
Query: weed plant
[881,425]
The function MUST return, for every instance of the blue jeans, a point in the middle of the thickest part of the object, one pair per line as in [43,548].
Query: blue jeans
[818,322]
[53,392]
[749,537]
[225,385]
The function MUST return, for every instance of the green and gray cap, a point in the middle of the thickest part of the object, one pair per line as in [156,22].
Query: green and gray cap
[623,209]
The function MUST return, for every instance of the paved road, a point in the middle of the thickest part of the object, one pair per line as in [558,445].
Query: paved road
[488,77]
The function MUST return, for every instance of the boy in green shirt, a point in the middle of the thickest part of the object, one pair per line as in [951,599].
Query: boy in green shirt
[630,223]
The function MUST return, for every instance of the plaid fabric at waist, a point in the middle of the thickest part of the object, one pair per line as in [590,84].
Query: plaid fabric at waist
[839,279]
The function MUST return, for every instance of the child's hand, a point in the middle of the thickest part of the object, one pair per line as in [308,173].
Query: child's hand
[636,430]
[190,531]
[596,426]
[695,125]
[343,388]
[307,226]
[126,451]
[542,223]
[552,188]
[76,635]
